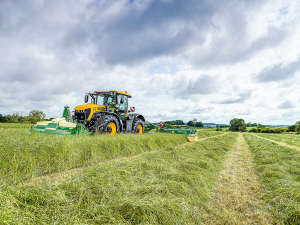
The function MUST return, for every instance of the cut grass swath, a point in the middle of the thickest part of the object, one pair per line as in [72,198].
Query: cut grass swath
[291,139]
[279,171]
[166,187]
[26,155]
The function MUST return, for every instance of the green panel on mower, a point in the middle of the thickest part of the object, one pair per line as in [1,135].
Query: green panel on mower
[60,126]
[177,131]
[54,128]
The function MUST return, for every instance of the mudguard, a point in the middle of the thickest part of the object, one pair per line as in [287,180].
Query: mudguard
[136,115]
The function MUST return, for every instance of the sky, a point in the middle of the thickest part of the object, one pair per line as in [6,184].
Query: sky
[213,60]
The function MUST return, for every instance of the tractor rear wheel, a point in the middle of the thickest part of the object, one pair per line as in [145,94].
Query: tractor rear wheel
[108,125]
[138,126]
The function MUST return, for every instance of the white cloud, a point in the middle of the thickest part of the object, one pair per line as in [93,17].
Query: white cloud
[209,60]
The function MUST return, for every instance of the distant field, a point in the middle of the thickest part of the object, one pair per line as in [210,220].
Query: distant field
[224,178]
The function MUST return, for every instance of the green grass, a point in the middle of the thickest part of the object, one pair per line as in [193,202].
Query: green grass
[210,129]
[208,134]
[15,125]
[166,187]
[279,171]
[291,139]
[25,155]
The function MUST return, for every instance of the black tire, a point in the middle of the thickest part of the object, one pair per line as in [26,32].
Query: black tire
[135,126]
[101,124]
[91,126]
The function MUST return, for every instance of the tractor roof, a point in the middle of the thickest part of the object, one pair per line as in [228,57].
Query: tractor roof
[119,92]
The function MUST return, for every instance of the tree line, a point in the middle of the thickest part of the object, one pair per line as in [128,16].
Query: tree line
[33,117]
[170,124]
[240,125]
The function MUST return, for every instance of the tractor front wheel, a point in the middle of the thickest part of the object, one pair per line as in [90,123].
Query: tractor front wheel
[108,125]
[138,126]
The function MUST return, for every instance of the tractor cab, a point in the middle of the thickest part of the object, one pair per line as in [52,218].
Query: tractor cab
[114,101]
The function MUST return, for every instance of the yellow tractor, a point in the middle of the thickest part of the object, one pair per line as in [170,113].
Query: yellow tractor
[104,112]
[107,112]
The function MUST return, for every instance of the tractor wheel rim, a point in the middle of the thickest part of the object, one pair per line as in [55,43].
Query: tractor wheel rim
[111,129]
[139,129]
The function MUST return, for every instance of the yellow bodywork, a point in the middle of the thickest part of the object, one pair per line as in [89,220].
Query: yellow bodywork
[94,108]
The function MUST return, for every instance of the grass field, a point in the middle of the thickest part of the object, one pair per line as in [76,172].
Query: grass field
[279,170]
[292,139]
[224,178]
[26,155]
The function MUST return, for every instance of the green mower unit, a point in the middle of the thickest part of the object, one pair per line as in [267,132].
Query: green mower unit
[177,131]
[60,126]
[189,133]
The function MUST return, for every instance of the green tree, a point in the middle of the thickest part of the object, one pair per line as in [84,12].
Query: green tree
[38,114]
[238,125]
[260,126]
[190,123]
[179,122]
[32,119]
[254,129]
[167,125]
[298,127]
[292,128]
[14,118]
[199,124]
[24,120]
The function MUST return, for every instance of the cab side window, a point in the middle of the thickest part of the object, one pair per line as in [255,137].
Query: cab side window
[123,105]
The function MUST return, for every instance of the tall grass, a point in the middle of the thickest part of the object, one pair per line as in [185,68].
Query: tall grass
[279,171]
[26,155]
[15,125]
[204,134]
[166,187]
[291,139]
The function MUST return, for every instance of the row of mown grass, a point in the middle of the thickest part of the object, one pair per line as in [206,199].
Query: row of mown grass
[25,155]
[204,134]
[291,139]
[166,187]
[279,171]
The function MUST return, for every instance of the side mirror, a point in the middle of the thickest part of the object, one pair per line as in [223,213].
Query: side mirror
[122,99]
[86,98]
